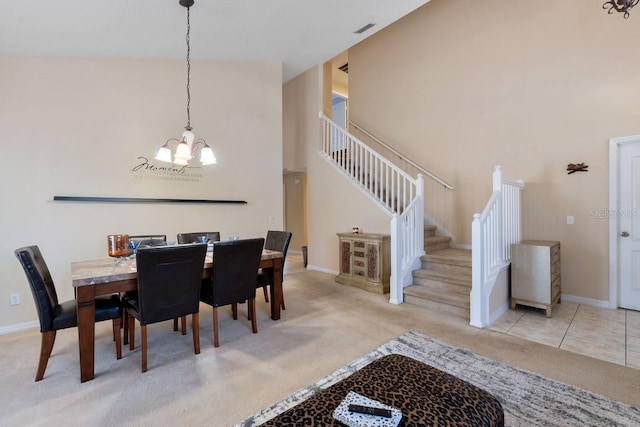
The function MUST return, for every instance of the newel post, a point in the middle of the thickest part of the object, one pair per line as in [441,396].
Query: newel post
[475,309]
[420,216]
[396,295]
[499,247]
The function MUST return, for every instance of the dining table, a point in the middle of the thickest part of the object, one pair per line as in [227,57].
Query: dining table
[108,276]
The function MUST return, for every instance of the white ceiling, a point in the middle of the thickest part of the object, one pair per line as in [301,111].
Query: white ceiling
[298,33]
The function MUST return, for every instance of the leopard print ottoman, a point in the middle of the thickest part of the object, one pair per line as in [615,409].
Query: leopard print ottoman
[426,396]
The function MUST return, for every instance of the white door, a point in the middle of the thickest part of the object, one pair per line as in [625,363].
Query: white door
[629,225]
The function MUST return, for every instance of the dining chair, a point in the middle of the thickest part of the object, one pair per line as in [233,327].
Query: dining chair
[233,279]
[212,236]
[275,241]
[144,240]
[182,238]
[169,280]
[54,315]
[149,240]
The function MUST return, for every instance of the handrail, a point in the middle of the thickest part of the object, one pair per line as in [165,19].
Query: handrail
[402,156]
[394,190]
[387,183]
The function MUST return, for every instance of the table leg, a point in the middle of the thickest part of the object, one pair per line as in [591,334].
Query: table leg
[86,313]
[276,289]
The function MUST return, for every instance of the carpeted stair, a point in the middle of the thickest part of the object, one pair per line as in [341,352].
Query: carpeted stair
[444,281]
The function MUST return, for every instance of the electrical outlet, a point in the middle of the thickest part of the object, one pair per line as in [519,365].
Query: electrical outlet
[14,299]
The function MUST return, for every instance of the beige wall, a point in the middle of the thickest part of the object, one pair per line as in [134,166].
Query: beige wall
[78,126]
[295,219]
[463,85]
[295,124]
[334,205]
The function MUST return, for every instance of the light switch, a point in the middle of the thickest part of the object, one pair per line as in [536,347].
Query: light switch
[570,219]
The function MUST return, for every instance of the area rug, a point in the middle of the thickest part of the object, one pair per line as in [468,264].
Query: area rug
[528,399]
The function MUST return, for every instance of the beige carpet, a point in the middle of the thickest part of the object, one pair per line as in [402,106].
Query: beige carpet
[326,325]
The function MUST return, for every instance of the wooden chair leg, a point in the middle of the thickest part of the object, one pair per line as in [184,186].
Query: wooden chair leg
[46,346]
[183,321]
[143,339]
[234,310]
[282,302]
[215,326]
[132,332]
[117,324]
[266,294]
[175,324]
[195,327]
[252,309]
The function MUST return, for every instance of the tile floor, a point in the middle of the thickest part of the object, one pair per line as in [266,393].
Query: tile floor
[601,333]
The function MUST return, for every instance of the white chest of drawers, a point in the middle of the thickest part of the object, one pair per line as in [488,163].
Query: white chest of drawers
[535,274]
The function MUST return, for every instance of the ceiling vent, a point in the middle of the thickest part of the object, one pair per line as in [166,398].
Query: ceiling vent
[363,29]
[344,68]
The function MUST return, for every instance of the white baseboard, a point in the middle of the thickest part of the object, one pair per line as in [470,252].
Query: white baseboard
[19,327]
[321,269]
[587,301]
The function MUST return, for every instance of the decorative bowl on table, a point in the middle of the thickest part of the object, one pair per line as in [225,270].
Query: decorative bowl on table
[118,245]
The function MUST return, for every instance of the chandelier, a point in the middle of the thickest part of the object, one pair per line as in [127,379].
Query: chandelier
[622,6]
[188,145]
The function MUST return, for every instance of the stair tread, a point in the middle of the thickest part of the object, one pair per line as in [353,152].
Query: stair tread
[430,305]
[455,299]
[429,231]
[444,276]
[436,239]
[451,256]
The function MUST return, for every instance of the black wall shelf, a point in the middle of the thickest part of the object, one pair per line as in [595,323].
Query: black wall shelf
[141,200]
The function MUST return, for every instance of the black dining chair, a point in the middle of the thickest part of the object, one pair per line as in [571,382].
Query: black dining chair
[169,280]
[211,236]
[144,240]
[233,279]
[54,315]
[275,241]
[183,238]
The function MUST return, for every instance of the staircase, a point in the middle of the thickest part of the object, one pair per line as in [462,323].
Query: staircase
[442,278]
[444,281]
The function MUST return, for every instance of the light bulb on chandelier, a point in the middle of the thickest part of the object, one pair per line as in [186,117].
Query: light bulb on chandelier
[187,146]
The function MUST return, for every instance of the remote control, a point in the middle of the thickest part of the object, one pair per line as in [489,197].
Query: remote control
[370,410]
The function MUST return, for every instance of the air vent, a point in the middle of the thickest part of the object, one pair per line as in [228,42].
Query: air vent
[363,29]
[344,68]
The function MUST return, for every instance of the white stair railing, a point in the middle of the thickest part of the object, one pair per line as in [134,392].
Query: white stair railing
[407,245]
[492,234]
[395,191]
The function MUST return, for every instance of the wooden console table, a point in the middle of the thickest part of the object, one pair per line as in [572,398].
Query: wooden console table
[365,261]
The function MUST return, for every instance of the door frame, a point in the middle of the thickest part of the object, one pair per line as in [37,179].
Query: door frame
[615,145]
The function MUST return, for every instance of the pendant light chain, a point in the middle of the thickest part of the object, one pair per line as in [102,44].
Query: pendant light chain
[188,73]
[188,144]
